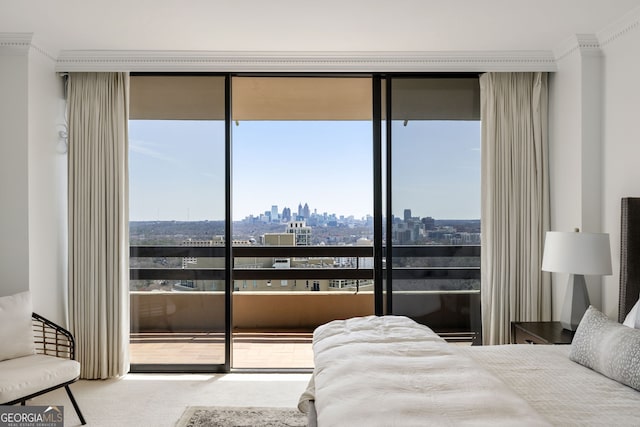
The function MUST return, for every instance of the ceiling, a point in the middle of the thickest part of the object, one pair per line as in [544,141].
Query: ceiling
[304,26]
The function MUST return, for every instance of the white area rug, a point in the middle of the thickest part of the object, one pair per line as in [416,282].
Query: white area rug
[229,416]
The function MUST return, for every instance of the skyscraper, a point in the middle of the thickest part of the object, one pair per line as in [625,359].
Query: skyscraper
[286,214]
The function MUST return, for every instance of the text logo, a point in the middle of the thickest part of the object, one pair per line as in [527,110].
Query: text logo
[31,416]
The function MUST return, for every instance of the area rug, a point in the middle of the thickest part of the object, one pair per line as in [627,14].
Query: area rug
[228,416]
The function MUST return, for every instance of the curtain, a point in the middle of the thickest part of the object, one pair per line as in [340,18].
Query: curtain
[515,202]
[98,222]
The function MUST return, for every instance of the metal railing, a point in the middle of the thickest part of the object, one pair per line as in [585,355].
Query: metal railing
[358,272]
[417,272]
[240,273]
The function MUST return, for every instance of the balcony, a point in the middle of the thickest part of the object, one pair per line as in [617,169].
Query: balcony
[274,310]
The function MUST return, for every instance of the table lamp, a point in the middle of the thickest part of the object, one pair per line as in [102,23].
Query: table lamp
[578,254]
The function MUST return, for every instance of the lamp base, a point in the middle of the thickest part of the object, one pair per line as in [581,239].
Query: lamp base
[576,302]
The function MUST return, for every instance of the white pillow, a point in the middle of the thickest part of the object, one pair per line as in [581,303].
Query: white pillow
[633,318]
[16,333]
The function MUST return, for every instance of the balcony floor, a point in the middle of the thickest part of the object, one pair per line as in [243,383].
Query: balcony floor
[251,349]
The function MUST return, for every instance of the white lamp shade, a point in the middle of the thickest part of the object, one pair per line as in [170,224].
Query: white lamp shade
[577,253]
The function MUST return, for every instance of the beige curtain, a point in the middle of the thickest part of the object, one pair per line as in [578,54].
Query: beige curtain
[98,222]
[515,201]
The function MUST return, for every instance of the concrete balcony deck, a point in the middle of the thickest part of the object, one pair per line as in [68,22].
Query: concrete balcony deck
[270,329]
[250,349]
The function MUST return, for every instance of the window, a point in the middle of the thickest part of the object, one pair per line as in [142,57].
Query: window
[302,167]
[177,199]
[435,226]
[307,162]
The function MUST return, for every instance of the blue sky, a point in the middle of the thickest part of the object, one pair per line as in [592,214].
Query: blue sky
[436,169]
[177,168]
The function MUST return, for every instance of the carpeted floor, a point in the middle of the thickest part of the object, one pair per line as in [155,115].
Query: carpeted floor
[229,416]
[151,400]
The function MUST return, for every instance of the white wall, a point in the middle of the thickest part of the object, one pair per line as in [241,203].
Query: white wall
[564,161]
[594,138]
[621,139]
[14,210]
[47,190]
[575,160]
[33,250]
[565,143]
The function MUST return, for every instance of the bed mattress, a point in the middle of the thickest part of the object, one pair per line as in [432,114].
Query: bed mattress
[391,371]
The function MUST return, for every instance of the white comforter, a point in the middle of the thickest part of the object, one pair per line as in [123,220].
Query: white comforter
[391,371]
[564,392]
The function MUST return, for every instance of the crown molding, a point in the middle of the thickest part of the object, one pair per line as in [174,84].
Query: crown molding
[21,44]
[585,44]
[15,43]
[176,61]
[592,44]
[613,32]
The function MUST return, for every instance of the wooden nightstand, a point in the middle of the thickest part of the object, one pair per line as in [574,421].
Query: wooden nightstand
[540,333]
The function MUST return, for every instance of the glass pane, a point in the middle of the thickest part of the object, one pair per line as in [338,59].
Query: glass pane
[302,192]
[436,202]
[169,325]
[177,218]
[384,191]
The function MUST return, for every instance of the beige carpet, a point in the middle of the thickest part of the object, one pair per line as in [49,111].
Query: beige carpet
[150,400]
[229,416]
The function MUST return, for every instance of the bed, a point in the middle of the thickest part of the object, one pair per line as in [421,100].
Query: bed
[392,371]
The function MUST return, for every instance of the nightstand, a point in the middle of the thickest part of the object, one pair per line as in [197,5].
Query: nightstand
[540,333]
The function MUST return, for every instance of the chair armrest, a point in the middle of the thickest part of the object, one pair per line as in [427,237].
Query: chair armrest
[52,339]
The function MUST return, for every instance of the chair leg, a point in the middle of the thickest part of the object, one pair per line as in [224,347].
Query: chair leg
[75,405]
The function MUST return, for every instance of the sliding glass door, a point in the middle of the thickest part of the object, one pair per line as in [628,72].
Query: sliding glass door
[302,210]
[177,223]
[264,206]
[435,203]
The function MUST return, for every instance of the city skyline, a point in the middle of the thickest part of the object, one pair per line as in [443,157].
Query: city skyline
[337,215]
[177,170]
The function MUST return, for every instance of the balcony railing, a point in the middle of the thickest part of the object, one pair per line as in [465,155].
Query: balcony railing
[243,273]
[446,278]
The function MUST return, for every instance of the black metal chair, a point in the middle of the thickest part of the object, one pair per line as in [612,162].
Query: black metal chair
[52,340]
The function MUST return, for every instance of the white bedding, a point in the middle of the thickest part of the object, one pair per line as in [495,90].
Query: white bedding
[564,392]
[370,372]
[391,371]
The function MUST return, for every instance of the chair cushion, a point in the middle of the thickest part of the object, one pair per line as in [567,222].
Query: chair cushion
[16,333]
[26,375]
